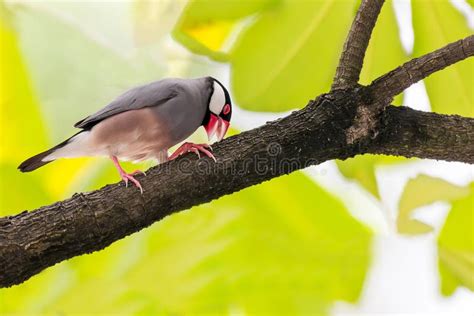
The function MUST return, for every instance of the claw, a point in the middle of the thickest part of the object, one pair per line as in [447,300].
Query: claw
[135,181]
[138,172]
[195,148]
[209,154]
[196,151]
[126,176]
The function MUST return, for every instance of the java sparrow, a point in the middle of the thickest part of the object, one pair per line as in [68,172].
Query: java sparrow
[144,122]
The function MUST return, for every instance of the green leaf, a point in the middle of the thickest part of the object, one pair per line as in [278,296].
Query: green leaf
[420,191]
[22,129]
[280,60]
[456,246]
[456,240]
[362,169]
[18,103]
[289,54]
[96,73]
[154,20]
[205,26]
[268,249]
[254,241]
[437,23]
[20,192]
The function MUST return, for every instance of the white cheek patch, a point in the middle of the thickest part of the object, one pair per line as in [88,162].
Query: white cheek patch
[217,99]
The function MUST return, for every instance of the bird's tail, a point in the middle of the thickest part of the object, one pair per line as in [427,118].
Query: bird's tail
[39,160]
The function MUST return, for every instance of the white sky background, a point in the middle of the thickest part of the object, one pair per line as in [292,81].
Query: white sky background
[404,278]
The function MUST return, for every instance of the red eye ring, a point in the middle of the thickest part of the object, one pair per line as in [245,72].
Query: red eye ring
[226,109]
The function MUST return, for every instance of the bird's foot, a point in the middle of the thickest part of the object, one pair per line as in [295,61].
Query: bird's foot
[129,176]
[138,172]
[195,148]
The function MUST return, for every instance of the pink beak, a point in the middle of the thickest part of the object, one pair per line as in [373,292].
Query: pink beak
[216,126]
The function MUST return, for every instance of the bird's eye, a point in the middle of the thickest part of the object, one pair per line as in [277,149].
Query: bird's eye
[226,109]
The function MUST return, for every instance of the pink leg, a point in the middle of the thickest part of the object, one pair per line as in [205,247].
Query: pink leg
[125,176]
[138,172]
[195,148]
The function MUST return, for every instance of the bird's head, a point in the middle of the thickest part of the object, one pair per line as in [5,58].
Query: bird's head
[219,111]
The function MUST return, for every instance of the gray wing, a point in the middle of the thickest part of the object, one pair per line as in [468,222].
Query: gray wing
[152,94]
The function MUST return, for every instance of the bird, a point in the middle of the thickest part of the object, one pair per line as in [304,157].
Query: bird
[144,122]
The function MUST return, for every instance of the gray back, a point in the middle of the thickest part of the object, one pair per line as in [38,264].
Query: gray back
[185,112]
[180,98]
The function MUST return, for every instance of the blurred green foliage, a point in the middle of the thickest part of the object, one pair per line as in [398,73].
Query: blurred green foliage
[223,257]
[279,61]
[443,20]
[362,169]
[267,249]
[433,190]
[456,240]
[456,246]
[205,26]
[17,98]
[285,246]
[285,57]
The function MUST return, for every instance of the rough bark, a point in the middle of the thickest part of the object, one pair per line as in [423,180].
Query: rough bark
[382,90]
[410,133]
[87,222]
[344,123]
[32,241]
[352,57]
[399,79]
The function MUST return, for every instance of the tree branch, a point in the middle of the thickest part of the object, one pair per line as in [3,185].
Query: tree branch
[338,125]
[32,241]
[382,90]
[410,133]
[396,81]
[87,222]
[357,41]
